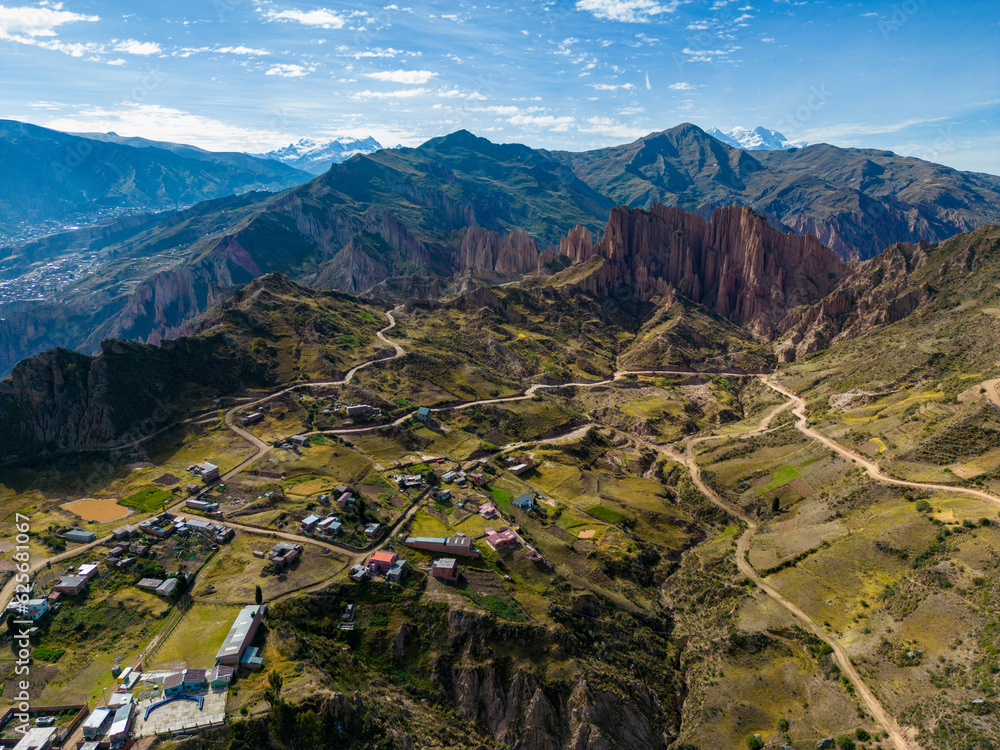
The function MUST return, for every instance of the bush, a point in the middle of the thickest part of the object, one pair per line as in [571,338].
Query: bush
[782,725]
[844,742]
[754,742]
[862,735]
[922,506]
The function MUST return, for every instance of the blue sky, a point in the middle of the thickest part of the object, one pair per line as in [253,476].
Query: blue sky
[917,77]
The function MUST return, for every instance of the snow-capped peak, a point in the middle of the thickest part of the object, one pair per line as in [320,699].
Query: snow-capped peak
[317,157]
[757,139]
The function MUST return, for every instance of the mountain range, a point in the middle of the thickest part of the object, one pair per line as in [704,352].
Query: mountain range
[316,157]
[455,212]
[53,179]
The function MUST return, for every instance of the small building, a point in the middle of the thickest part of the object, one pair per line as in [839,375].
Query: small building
[252,659]
[488,511]
[125,532]
[329,526]
[358,572]
[37,738]
[372,530]
[138,549]
[311,520]
[449,545]
[299,440]
[397,572]
[173,684]
[357,409]
[345,500]
[340,489]
[32,609]
[381,561]
[252,418]
[501,538]
[195,679]
[525,501]
[191,488]
[283,550]
[202,505]
[167,588]
[444,495]
[519,465]
[95,725]
[71,585]
[208,472]
[220,676]
[241,634]
[445,568]
[150,584]
[87,570]
[423,414]
[80,536]
[449,476]
[118,734]
[478,478]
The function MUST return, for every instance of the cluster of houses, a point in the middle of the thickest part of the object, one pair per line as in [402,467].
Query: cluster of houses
[164,525]
[107,727]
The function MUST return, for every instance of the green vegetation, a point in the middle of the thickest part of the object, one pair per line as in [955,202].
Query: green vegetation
[606,514]
[147,499]
[782,476]
[48,654]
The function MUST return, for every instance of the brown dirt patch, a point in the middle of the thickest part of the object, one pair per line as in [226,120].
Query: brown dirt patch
[587,534]
[93,509]
[868,448]
[398,502]
[801,486]
[166,479]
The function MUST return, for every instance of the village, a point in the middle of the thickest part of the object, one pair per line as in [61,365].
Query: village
[372,533]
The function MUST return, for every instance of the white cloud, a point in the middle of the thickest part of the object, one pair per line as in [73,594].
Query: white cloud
[552,122]
[36,22]
[626,11]
[135,47]
[409,77]
[681,86]
[848,130]
[168,124]
[612,129]
[241,50]
[290,70]
[399,94]
[612,86]
[323,19]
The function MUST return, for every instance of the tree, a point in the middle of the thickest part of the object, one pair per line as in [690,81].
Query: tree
[430,478]
[362,508]
[775,505]
[754,742]
[845,742]
[258,595]
[308,729]
[272,692]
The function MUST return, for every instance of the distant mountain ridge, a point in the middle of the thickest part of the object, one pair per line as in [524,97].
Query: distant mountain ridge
[51,178]
[316,157]
[459,210]
[755,139]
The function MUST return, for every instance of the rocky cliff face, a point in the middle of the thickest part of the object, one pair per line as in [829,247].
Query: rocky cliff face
[735,265]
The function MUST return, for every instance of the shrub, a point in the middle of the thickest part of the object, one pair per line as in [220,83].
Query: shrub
[754,742]
[845,742]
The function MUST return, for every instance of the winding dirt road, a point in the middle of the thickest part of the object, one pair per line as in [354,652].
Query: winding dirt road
[900,740]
